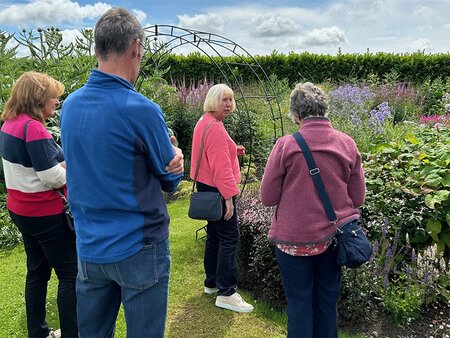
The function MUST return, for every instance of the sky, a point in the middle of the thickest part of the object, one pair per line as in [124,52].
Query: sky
[262,27]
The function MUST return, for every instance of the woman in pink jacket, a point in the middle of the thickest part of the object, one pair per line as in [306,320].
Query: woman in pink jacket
[219,171]
[300,228]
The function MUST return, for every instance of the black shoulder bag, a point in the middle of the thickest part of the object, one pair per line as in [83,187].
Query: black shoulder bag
[205,205]
[353,246]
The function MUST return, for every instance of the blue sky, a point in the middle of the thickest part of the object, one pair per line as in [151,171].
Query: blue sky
[261,27]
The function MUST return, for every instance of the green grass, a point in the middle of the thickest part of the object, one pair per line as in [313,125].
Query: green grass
[191,313]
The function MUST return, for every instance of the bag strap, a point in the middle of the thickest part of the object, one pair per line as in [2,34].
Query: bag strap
[200,154]
[315,174]
[62,196]
[25,128]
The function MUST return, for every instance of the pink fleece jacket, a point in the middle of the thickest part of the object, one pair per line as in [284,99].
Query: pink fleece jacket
[219,166]
[300,218]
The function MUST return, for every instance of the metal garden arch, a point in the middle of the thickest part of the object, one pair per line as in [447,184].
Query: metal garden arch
[214,47]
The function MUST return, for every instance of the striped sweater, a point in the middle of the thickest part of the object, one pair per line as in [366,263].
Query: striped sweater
[32,168]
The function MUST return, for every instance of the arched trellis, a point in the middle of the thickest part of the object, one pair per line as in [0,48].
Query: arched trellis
[214,47]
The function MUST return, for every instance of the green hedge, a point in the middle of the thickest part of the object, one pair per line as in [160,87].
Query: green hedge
[413,68]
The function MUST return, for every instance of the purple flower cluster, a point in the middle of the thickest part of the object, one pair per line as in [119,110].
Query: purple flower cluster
[194,94]
[379,114]
[350,101]
[435,120]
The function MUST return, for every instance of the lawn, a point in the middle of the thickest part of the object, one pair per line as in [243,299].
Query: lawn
[191,313]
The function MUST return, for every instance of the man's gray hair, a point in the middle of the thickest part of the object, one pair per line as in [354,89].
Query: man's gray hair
[115,31]
[307,100]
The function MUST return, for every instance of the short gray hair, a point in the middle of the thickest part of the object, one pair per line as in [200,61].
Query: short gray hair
[115,31]
[307,100]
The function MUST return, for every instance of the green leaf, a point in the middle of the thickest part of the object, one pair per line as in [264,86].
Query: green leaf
[434,227]
[438,197]
[446,180]
[445,237]
[422,156]
[433,180]
[412,139]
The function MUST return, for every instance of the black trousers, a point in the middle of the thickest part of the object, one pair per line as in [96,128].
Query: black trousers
[220,261]
[49,244]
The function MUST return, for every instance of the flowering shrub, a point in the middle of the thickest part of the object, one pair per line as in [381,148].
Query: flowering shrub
[354,111]
[257,267]
[378,115]
[398,278]
[434,120]
[405,101]
[408,182]
[351,103]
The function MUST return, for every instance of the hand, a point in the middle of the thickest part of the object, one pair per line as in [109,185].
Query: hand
[176,165]
[174,141]
[240,150]
[229,209]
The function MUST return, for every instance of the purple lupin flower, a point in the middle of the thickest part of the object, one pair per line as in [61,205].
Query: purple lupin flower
[388,259]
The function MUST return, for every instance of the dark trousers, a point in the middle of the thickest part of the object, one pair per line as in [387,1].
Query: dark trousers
[220,261]
[48,244]
[312,285]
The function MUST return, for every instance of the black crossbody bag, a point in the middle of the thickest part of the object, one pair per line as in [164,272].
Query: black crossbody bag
[353,246]
[205,205]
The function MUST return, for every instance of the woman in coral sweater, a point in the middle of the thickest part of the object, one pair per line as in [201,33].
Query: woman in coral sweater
[219,171]
[300,228]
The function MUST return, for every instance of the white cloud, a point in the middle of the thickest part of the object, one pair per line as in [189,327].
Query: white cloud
[140,15]
[43,12]
[327,36]
[419,45]
[209,22]
[272,25]
[424,11]
[320,27]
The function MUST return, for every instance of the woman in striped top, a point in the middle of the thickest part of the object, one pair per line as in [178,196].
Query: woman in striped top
[34,170]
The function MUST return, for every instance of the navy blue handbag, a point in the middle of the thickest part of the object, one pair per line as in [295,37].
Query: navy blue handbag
[204,205]
[353,246]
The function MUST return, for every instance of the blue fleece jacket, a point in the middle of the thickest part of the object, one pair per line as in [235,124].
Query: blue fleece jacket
[116,146]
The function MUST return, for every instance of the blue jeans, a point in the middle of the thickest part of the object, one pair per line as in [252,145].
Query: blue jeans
[311,285]
[49,244]
[220,261]
[140,283]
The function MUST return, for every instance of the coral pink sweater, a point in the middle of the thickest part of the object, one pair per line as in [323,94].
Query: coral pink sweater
[300,218]
[219,166]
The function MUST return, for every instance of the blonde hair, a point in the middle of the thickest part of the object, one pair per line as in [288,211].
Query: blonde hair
[30,94]
[214,97]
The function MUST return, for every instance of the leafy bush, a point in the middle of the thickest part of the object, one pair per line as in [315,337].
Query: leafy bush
[9,234]
[408,182]
[398,279]
[257,267]
[402,303]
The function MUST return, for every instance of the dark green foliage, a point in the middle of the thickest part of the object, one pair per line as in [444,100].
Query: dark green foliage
[9,234]
[412,68]
[258,270]
[408,182]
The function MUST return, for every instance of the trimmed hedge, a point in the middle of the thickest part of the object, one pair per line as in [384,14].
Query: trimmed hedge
[413,68]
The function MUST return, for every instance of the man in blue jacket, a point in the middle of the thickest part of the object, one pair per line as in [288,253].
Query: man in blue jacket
[119,159]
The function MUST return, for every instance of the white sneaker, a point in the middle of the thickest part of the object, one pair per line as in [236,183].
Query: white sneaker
[54,334]
[234,303]
[210,291]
